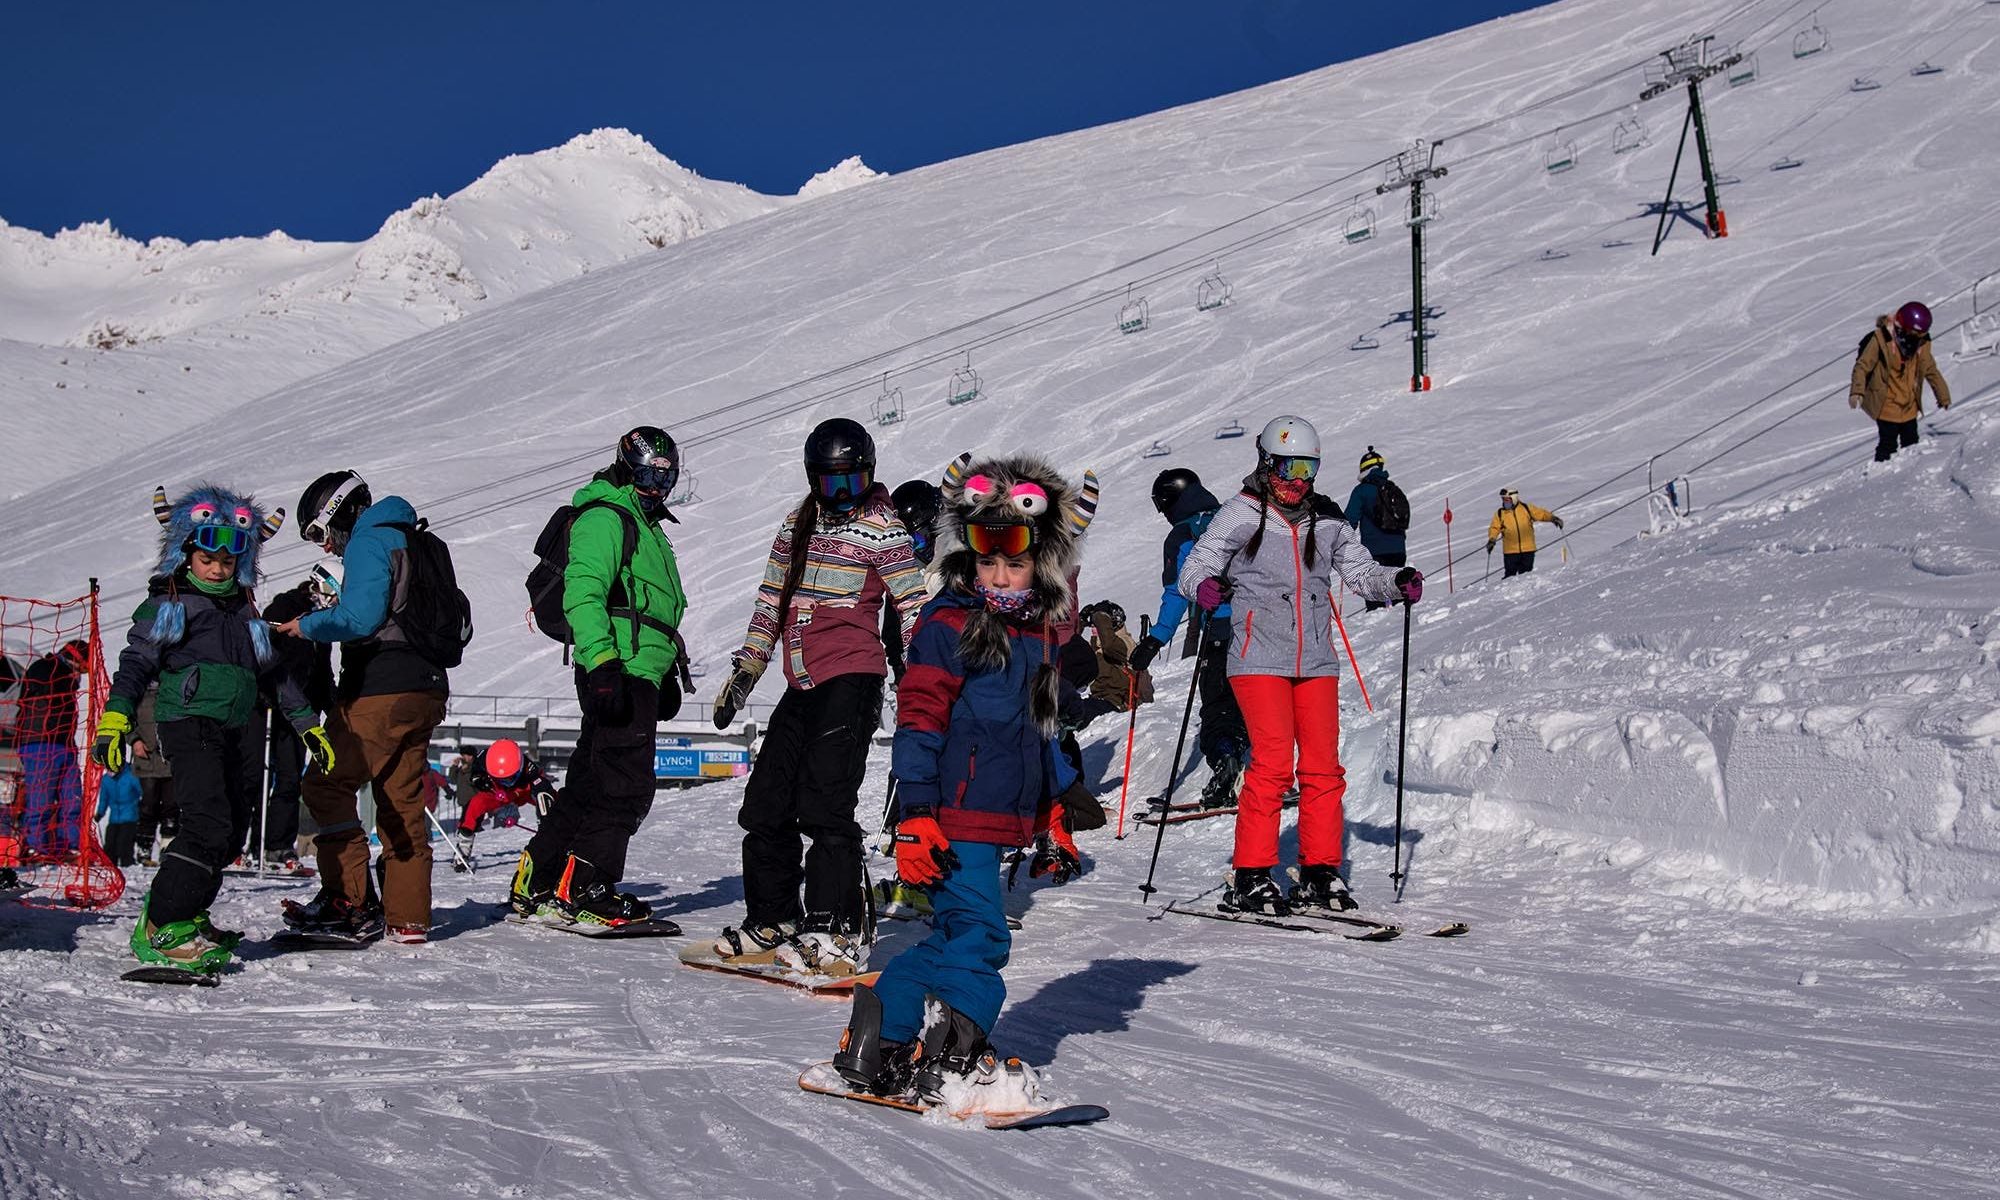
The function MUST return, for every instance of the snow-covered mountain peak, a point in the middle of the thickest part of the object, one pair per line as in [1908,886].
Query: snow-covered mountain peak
[848,172]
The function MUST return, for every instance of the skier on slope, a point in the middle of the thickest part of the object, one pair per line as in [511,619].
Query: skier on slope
[1178,495]
[1272,551]
[1513,526]
[1381,523]
[1889,375]
[975,753]
[504,778]
[622,597]
[838,553]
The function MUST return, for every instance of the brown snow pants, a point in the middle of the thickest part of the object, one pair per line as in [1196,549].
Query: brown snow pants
[383,740]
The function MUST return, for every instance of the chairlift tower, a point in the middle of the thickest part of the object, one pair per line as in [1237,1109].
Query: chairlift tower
[1412,169]
[1688,64]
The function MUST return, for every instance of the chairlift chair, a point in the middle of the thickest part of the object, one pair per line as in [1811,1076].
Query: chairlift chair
[1553,255]
[889,405]
[1133,315]
[1212,292]
[1745,70]
[1426,213]
[1156,450]
[1811,40]
[1366,341]
[965,384]
[1560,157]
[1979,337]
[1360,224]
[1925,68]
[684,492]
[1863,84]
[1630,135]
[1617,243]
[1788,163]
[1232,430]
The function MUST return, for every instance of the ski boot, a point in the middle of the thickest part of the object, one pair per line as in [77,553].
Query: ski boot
[582,898]
[864,1060]
[461,850]
[751,944]
[1253,891]
[328,913]
[177,944]
[822,949]
[1321,887]
[228,939]
[522,895]
[1224,770]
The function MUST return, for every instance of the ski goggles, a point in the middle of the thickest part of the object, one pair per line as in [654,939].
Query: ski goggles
[843,485]
[319,530]
[1294,468]
[1010,541]
[220,539]
[656,475]
[325,587]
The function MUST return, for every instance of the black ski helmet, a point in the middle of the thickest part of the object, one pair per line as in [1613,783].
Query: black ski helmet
[1169,484]
[839,445]
[917,503]
[329,506]
[649,461]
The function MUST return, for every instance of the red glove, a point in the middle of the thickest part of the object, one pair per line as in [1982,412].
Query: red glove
[923,853]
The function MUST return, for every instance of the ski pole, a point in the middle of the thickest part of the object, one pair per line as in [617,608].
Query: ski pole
[1489,564]
[1342,625]
[1402,740]
[1173,771]
[452,846]
[1131,725]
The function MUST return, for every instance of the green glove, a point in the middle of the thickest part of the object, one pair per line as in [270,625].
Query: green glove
[318,748]
[114,730]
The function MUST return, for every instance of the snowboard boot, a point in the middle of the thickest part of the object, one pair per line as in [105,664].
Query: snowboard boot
[753,944]
[1321,888]
[523,896]
[228,939]
[1224,770]
[177,944]
[824,951]
[1253,891]
[893,894]
[956,1066]
[1055,857]
[461,846]
[328,913]
[864,1060]
[583,898]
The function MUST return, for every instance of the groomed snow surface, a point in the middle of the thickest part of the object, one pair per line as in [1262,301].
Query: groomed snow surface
[1722,803]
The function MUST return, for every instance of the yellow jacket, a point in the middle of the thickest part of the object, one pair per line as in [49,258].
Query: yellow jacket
[1516,526]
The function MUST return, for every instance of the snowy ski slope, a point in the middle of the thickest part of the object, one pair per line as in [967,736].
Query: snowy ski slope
[1722,803]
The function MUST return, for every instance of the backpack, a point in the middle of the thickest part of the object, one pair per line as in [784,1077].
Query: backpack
[1392,508]
[436,618]
[545,584]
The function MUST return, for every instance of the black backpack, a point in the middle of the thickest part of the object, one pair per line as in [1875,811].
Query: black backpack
[545,583]
[1392,508]
[435,617]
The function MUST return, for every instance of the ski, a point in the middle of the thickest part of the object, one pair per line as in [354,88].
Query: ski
[1373,931]
[648,928]
[1191,810]
[821,1079]
[170,975]
[703,957]
[1453,929]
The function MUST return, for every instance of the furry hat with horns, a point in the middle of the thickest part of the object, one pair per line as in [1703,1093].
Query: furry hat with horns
[207,504]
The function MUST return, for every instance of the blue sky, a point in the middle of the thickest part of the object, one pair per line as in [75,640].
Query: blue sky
[213,119]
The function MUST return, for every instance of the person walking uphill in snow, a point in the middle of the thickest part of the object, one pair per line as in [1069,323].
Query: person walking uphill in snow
[1272,550]
[819,610]
[198,634]
[1894,362]
[623,601]
[389,698]
[975,753]
[1513,527]
[1380,512]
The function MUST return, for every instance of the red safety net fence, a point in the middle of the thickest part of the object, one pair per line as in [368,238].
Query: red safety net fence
[53,685]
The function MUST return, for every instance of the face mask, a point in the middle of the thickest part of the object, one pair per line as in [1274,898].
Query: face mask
[1289,491]
[1007,602]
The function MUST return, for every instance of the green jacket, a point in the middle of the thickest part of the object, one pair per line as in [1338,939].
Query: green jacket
[211,655]
[601,598]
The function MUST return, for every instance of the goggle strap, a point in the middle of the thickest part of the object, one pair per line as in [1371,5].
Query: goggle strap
[322,519]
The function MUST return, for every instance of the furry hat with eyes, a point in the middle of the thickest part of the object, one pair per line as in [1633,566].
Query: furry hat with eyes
[207,504]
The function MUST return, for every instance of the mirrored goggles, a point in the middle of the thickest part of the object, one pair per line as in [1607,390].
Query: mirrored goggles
[659,475]
[1294,468]
[220,539]
[843,485]
[1011,541]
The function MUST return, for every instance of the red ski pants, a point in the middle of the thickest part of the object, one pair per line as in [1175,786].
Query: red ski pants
[1287,718]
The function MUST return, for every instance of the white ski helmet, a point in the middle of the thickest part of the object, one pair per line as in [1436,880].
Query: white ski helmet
[1288,437]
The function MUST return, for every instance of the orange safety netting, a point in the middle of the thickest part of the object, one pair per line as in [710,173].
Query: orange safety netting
[53,685]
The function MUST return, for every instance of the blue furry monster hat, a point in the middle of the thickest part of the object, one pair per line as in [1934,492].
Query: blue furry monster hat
[208,505]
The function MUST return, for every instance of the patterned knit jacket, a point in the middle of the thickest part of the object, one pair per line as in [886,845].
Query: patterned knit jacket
[832,625]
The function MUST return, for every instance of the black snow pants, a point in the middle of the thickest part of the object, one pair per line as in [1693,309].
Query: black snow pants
[215,785]
[607,792]
[280,835]
[1222,733]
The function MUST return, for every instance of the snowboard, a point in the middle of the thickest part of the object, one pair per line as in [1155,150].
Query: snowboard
[651,927]
[892,903]
[822,1080]
[319,939]
[303,872]
[170,975]
[703,957]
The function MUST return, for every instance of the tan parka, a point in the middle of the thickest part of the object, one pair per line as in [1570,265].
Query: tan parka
[1889,387]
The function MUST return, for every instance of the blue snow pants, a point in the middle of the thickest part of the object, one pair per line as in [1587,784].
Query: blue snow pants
[54,796]
[960,961]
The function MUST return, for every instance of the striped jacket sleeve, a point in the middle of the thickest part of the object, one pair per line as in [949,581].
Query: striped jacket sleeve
[764,616]
[1357,567]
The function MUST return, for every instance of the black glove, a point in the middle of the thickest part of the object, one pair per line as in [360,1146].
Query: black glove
[607,693]
[1558,522]
[732,696]
[1146,651]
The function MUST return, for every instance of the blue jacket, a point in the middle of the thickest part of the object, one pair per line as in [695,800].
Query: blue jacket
[377,659]
[1193,509]
[1361,515]
[967,750]
[118,797]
